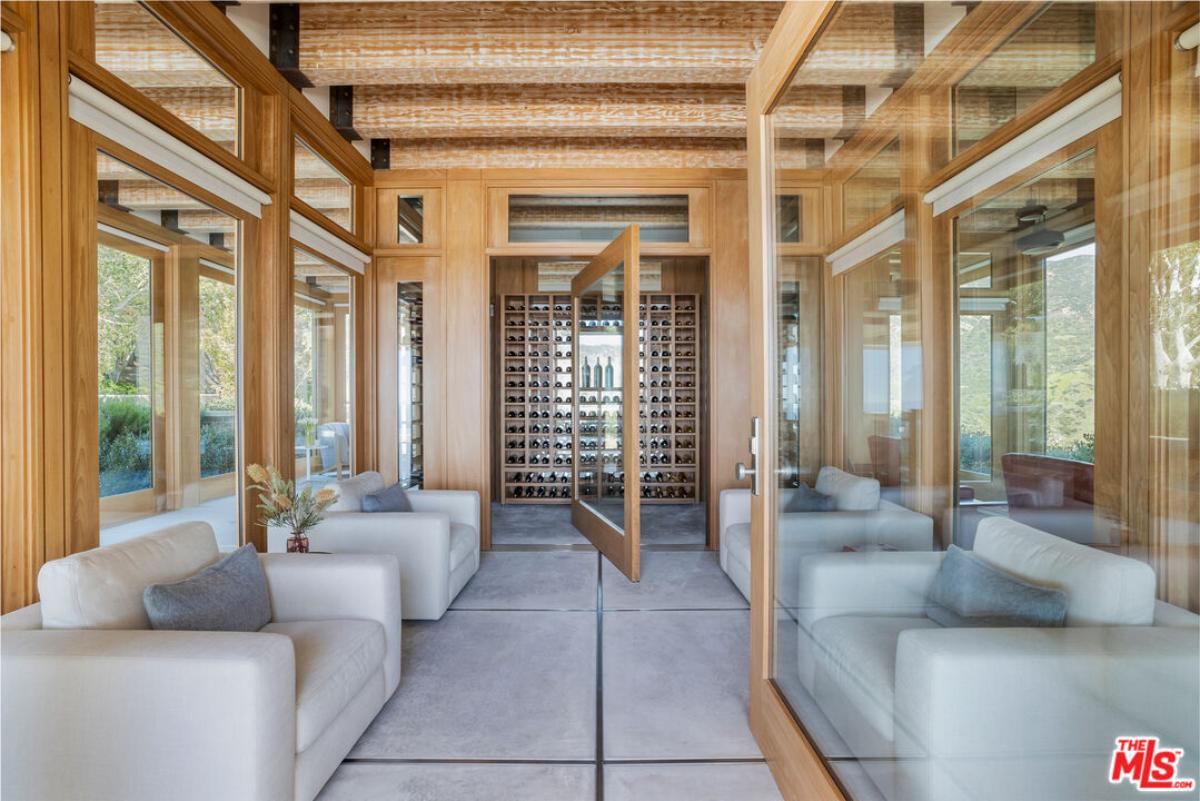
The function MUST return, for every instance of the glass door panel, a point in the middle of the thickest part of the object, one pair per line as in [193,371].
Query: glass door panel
[606,503]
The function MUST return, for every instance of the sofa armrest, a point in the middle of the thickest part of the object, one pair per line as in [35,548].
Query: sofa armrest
[874,583]
[147,715]
[1042,692]
[734,508]
[462,506]
[339,587]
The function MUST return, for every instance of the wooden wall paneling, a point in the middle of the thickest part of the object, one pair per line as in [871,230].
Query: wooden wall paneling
[390,270]
[468,399]
[82,488]
[386,231]
[22,391]
[928,290]
[1138,125]
[1115,332]
[597,152]
[268,422]
[728,303]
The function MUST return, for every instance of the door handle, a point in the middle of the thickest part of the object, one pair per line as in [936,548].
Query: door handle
[741,471]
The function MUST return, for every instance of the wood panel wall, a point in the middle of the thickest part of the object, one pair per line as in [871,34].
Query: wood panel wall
[465,227]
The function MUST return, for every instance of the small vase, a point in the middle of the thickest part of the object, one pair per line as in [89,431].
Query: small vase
[297,543]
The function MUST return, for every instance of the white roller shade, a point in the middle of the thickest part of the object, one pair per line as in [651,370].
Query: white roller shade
[1092,110]
[870,243]
[90,107]
[332,247]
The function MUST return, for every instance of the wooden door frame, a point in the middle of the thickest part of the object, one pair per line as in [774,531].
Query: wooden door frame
[795,762]
[623,548]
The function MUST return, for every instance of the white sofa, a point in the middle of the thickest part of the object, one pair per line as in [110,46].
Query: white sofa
[861,518]
[437,543]
[998,713]
[97,705]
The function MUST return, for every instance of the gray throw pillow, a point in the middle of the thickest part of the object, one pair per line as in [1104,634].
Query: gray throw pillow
[806,499]
[230,595]
[968,592]
[392,499]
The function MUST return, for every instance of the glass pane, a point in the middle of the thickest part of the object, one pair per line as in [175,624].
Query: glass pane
[125,357]
[599,376]
[410,374]
[875,187]
[1027,353]
[1056,44]
[596,218]
[139,48]
[323,349]
[789,218]
[873,373]
[321,186]
[167,358]
[410,219]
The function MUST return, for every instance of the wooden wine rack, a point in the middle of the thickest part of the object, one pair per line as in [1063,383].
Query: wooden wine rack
[536,454]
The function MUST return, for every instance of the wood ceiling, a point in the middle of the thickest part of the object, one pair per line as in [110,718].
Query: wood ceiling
[582,82]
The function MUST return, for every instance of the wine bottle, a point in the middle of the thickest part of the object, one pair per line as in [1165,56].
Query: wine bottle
[608,374]
[598,376]
[586,381]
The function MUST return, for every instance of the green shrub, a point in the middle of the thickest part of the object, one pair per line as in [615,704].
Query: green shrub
[218,447]
[125,449]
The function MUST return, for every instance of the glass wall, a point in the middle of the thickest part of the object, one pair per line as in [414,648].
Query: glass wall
[166,357]
[323,370]
[321,186]
[596,218]
[984,526]
[139,48]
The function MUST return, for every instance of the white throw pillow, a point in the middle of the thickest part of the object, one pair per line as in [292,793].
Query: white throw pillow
[102,588]
[353,490]
[853,493]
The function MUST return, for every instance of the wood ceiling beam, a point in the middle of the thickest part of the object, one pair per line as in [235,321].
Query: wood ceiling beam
[574,152]
[566,110]
[533,42]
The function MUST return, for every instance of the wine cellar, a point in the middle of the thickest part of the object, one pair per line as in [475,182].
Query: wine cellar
[548,413]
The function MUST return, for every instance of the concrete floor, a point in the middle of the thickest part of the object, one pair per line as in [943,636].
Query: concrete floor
[553,677]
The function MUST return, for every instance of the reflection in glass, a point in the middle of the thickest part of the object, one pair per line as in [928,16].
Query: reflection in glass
[873,372]
[600,340]
[1027,354]
[1057,43]
[139,48]
[596,218]
[320,185]
[166,357]
[323,352]
[874,188]
[410,219]
[789,218]
[410,371]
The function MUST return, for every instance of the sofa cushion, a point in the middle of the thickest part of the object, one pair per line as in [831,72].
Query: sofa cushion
[855,678]
[230,595]
[969,592]
[1102,589]
[462,544]
[334,659]
[102,588]
[392,499]
[806,499]
[351,491]
[851,493]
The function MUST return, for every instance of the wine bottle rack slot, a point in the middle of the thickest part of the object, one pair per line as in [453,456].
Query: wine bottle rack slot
[538,402]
